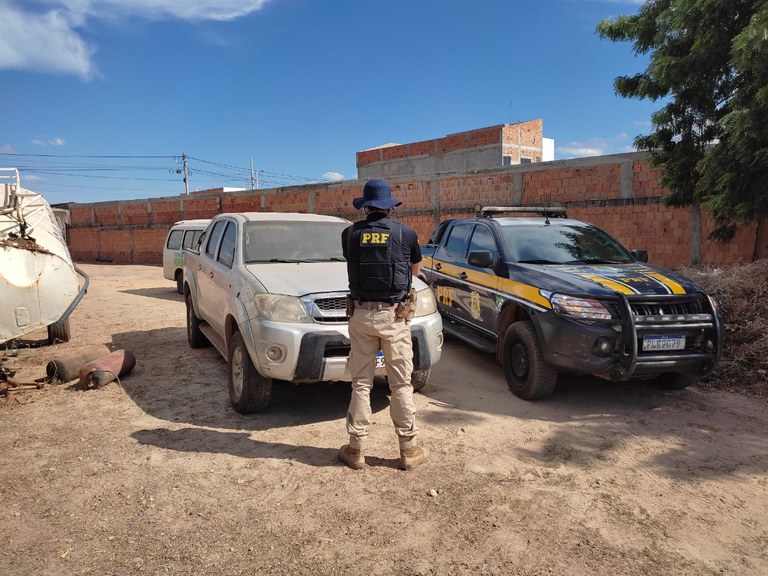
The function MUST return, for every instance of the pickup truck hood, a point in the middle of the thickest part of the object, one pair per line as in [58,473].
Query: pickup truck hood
[298,279]
[295,279]
[606,279]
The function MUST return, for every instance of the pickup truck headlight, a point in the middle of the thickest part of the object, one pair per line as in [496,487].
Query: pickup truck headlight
[281,308]
[584,309]
[425,303]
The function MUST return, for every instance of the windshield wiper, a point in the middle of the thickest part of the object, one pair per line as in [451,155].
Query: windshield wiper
[595,261]
[537,261]
[278,260]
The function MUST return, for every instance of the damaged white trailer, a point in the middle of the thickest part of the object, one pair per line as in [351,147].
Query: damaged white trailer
[39,285]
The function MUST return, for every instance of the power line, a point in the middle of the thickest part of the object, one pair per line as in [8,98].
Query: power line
[99,166]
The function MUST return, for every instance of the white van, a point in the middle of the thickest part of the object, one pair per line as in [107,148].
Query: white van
[183,234]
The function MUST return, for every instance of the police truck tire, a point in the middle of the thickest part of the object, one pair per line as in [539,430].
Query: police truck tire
[249,391]
[179,281]
[676,380]
[195,336]
[527,374]
[419,378]
[59,332]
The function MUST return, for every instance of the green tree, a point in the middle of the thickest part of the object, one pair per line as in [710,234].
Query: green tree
[709,64]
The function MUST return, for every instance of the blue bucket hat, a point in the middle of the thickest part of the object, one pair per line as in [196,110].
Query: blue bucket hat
[376,194]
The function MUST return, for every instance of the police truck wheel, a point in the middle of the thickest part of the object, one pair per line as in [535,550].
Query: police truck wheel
[528,376]
[179,281]
[195,336]
[419,378]
[249,391]
[676,380]
[58,332]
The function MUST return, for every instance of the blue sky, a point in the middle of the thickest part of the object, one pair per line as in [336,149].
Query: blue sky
[100,98]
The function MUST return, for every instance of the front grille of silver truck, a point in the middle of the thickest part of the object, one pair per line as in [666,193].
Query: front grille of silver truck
[329,307]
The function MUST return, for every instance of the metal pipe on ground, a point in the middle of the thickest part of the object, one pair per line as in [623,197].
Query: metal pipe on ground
[67,367]
[106,369]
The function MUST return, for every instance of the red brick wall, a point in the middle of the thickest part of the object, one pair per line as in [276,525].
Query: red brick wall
[626,203]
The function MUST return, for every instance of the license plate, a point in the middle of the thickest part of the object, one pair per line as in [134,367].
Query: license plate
[663,343]
[380,360]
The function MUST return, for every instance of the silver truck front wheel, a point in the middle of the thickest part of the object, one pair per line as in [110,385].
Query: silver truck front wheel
[249,391]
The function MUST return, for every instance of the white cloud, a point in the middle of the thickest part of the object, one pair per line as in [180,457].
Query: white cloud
[333,176]
[576,149]
[198,10]
[44,42]
[7,149]
[57,142]
[48,39]
[596,146]
[31,178]
[38,142]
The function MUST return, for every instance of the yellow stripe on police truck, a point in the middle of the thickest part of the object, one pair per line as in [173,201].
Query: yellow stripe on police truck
[492,281]
[668,282]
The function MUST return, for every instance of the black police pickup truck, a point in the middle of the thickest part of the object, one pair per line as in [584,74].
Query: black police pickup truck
[548,294]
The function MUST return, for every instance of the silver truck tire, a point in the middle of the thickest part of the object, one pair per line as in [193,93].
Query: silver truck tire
[249,391]
[528,375]
[419,378]
[195,336]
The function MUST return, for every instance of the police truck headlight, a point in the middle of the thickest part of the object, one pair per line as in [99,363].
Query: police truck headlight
[281,308]
[583,309]
[425,303]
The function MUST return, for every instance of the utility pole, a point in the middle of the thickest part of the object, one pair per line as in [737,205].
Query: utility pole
[186,173]
[252,188]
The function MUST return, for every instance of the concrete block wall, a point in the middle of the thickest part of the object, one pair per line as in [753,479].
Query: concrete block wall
[619,193]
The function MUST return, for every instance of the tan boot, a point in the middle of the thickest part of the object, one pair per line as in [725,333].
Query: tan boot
[413,456]
[352,457]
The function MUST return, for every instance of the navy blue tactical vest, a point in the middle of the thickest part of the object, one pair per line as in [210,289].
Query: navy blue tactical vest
[378,269]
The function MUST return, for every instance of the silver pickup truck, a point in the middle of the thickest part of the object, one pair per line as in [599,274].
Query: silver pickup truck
[269,290]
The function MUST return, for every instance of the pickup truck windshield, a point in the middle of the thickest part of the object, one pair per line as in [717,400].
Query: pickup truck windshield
[292,241]
[562,244]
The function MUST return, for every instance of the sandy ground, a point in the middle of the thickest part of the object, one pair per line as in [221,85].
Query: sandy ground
[158,475]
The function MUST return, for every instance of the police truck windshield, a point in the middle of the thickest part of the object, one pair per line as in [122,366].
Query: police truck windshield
[292,241]
[562,244]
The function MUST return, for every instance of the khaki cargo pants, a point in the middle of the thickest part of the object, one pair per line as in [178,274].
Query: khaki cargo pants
[371,330]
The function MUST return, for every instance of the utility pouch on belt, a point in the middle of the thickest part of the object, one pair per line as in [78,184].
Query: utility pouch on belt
[350,306]
[406,310]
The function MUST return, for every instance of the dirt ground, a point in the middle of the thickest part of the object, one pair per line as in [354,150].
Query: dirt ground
[158,475]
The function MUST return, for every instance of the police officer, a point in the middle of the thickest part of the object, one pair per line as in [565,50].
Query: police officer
[382,257]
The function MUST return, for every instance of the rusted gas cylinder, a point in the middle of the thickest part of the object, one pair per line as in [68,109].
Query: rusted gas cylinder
[67,367]
[103,370]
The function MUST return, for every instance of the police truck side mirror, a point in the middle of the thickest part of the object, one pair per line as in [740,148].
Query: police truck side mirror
[640,255]
[480,258]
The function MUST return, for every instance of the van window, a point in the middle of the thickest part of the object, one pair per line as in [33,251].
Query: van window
[190,239]
[174,239]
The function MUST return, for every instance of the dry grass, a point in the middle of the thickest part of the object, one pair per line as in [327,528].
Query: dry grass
[744,365]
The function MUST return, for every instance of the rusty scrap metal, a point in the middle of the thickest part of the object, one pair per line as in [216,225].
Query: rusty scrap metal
[66,368]
[106,369]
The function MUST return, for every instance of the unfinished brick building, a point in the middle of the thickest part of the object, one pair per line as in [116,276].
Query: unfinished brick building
[484,148]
